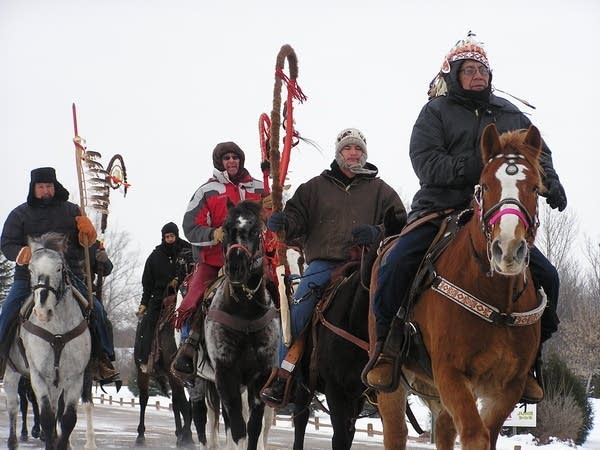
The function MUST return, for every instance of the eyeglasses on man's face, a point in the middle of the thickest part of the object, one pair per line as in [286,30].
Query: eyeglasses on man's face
[470,71]
[228,157]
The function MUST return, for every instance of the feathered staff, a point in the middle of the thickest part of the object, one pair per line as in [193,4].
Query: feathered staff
[94,193]
[279,162]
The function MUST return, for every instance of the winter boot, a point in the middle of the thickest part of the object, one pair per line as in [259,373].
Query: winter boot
[383,373]
[534,386]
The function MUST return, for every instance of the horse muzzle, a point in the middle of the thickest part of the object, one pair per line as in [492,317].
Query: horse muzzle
[509,257]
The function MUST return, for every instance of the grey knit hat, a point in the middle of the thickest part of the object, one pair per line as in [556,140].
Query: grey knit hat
[346,137]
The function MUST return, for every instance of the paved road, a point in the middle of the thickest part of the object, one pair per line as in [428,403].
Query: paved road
[115,428]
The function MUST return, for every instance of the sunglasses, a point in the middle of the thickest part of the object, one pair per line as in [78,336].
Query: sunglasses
[228,157]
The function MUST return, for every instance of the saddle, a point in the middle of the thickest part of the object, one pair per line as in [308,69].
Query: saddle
[413,348]
[167,313]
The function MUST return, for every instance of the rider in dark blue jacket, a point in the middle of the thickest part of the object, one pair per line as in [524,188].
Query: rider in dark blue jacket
[46,210]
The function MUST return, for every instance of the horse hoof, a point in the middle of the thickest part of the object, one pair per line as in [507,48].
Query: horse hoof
[35,432]
[24,438]
[140,440]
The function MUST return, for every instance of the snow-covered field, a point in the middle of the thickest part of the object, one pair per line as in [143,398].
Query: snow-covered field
[526,442]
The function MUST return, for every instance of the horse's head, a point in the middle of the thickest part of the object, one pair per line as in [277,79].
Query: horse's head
[242,242]
[507,194]
[47,273]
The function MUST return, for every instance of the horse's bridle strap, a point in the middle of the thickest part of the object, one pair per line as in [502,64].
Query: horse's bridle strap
[56,341]
[483,310]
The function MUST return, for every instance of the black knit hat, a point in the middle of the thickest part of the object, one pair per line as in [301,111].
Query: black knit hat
[170,228]
[46,175]
[224,148]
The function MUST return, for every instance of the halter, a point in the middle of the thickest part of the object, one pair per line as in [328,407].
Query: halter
[255,261]
[58,292]
[492,216]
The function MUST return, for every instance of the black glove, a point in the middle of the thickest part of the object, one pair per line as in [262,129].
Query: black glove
[364,234]
[277,221]
[555,195]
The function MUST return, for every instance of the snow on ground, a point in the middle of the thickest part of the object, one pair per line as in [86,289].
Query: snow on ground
[526,442]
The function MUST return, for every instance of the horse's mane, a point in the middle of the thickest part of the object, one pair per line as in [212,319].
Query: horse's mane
[513,142]
[250,206]
[52,241]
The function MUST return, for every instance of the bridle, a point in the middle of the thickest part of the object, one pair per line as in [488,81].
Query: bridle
[492,216]
[255,260]
[46,286]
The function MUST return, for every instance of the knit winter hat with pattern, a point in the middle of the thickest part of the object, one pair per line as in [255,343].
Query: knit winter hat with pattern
[464,49]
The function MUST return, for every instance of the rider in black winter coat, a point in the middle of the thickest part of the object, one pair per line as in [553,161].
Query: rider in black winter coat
[446,156]
[166,267]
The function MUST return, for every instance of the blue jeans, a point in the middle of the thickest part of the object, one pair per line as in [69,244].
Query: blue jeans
[398,268]
[309,291]
[19,292]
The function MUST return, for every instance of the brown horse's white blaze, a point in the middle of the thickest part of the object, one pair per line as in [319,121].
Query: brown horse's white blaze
[509,252]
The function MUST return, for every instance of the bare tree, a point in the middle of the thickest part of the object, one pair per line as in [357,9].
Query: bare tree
[556,235]
[579,307]
[6,276]
[122,288]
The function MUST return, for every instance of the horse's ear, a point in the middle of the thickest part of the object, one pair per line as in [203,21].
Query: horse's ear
[490,142]
[229,204]
[533,138]
[394,220]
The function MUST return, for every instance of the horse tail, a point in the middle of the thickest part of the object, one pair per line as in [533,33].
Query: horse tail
[211,396]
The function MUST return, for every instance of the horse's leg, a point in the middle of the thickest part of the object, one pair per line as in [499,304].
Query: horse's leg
[47,420]
[11,387]
[256,409]
[88,406]
[231,399]
[214,406]
[301,414]
[181,409]
[199,412]
[23,406]
[496,408]
[392,410]
[68,420]
[445,431]
[267,422]
[35,408]
[460,403]
[343,410]
[143,382]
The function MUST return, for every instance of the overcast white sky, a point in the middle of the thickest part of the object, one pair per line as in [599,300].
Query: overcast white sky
[161,82]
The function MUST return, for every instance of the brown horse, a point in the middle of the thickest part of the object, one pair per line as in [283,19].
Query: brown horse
[159,363]
[479,318]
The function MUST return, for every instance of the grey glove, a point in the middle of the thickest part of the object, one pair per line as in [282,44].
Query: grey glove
[101,255]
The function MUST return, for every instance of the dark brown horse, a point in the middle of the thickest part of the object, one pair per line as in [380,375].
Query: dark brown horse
[479,318]
[159,363]
[337,346]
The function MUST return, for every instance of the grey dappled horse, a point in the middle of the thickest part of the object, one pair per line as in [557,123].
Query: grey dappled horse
[57,345]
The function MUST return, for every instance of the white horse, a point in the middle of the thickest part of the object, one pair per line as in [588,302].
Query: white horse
[57,345]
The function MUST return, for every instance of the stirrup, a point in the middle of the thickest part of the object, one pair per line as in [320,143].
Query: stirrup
[286,377]
[187,378]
